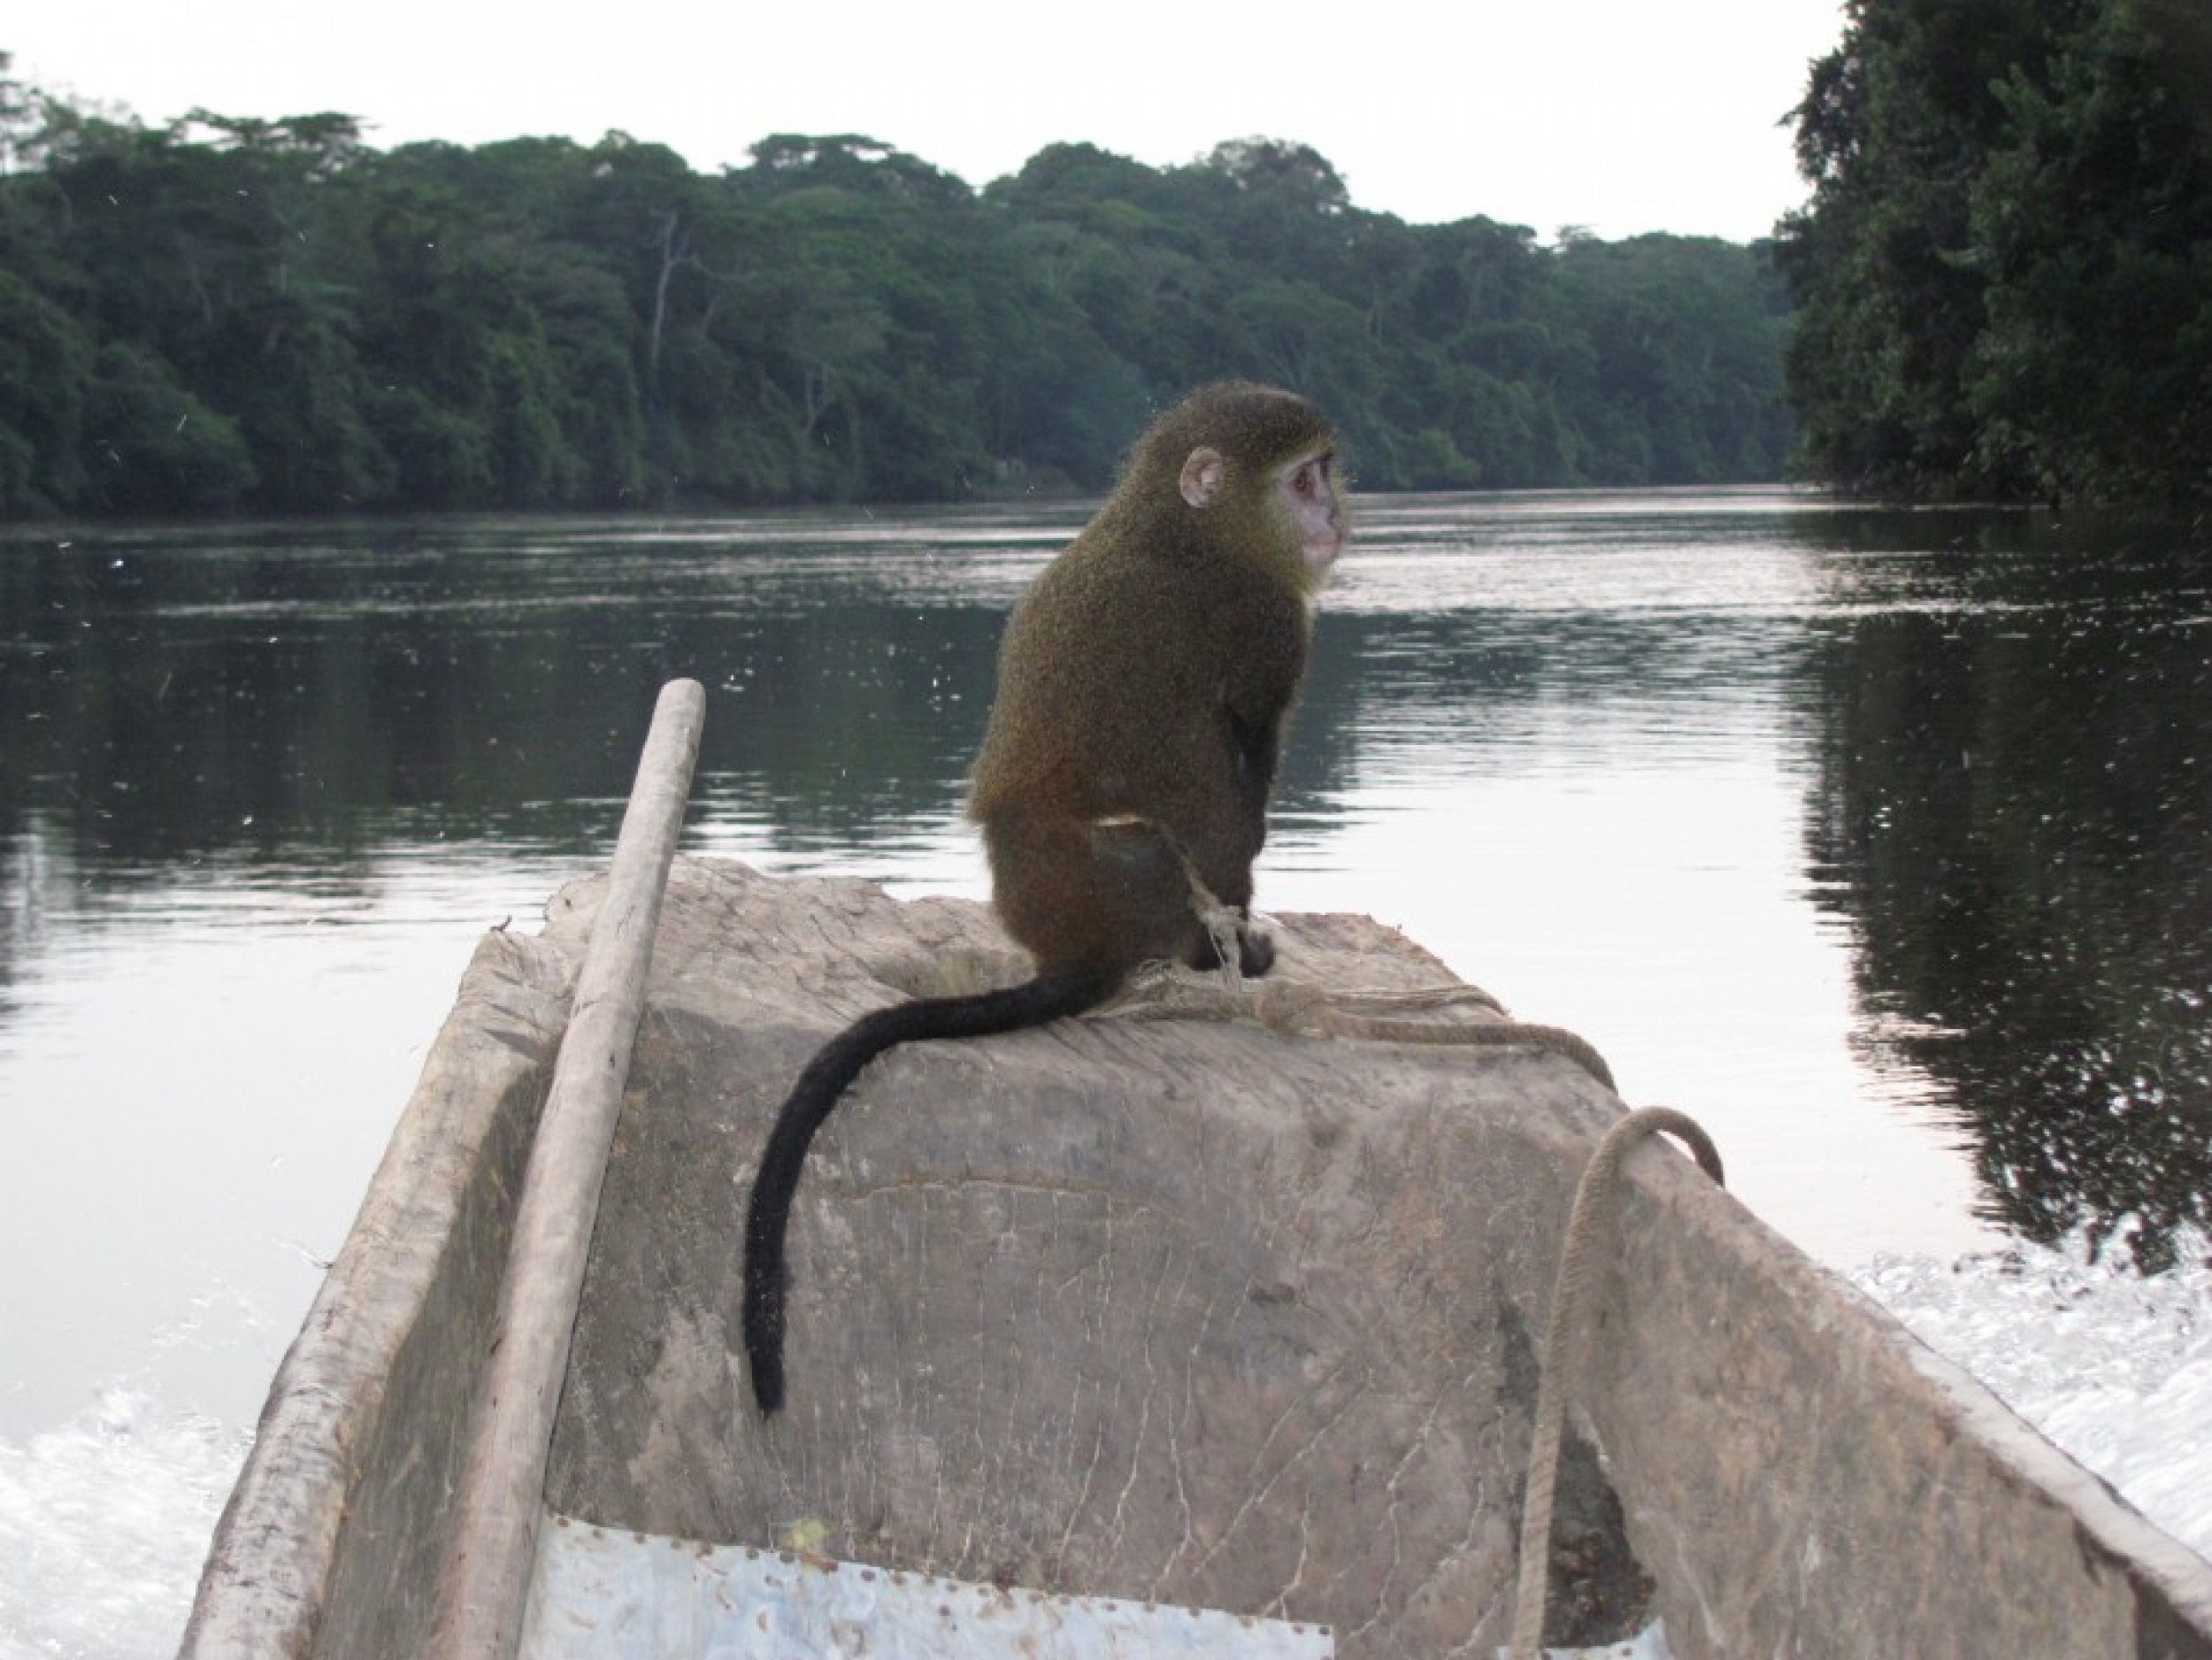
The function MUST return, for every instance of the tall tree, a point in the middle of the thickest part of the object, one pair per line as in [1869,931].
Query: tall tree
[2008,196]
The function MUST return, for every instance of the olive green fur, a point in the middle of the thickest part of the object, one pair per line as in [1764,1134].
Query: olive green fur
[1143,683]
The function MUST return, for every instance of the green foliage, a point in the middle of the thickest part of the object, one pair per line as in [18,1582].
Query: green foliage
[2004,279]
[152,447]
[231,314]
[45,366]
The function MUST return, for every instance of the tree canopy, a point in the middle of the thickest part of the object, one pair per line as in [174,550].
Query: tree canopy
[226,314]
[2004,276]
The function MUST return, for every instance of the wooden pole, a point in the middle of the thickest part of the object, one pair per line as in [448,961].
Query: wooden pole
[485,1584]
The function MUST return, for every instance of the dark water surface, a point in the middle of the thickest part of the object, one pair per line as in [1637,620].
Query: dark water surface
[1883,841]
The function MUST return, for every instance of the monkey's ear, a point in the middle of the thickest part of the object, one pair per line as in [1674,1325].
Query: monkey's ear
[1203,470]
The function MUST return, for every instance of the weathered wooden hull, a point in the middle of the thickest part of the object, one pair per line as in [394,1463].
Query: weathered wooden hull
[1172,1310]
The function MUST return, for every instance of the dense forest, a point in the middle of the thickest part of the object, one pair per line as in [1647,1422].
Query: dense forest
[2001,289]
[2004,276]
[225,314]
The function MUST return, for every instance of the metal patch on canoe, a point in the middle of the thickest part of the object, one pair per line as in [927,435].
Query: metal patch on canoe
[602,1595]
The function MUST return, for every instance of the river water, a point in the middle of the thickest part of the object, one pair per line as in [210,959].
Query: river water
[1880,841]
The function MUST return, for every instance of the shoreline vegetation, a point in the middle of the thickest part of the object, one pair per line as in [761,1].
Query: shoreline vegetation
[1999,290]
[226,316]
[2003,277]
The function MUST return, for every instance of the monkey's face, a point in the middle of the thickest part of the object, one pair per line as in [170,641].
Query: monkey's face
[1289,516]
[1306,500]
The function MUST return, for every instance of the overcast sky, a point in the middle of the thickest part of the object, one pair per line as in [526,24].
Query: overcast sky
[1619,116]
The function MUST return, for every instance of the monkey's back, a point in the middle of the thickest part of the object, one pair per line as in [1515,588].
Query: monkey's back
[1115,668]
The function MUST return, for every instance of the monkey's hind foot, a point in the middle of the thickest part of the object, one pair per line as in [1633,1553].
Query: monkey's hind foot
[1242,951]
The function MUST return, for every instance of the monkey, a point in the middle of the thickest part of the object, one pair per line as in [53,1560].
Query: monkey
[1126,761]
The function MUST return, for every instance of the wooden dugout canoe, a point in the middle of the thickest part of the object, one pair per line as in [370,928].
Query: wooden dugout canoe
[1149,1315]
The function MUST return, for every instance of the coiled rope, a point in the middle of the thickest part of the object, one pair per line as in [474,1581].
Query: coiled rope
[1562,1348]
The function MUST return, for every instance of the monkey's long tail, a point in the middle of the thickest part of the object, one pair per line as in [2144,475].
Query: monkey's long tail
[835,1066]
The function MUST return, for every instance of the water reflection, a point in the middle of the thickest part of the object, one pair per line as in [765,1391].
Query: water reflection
[1867,833]
[2013,810]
